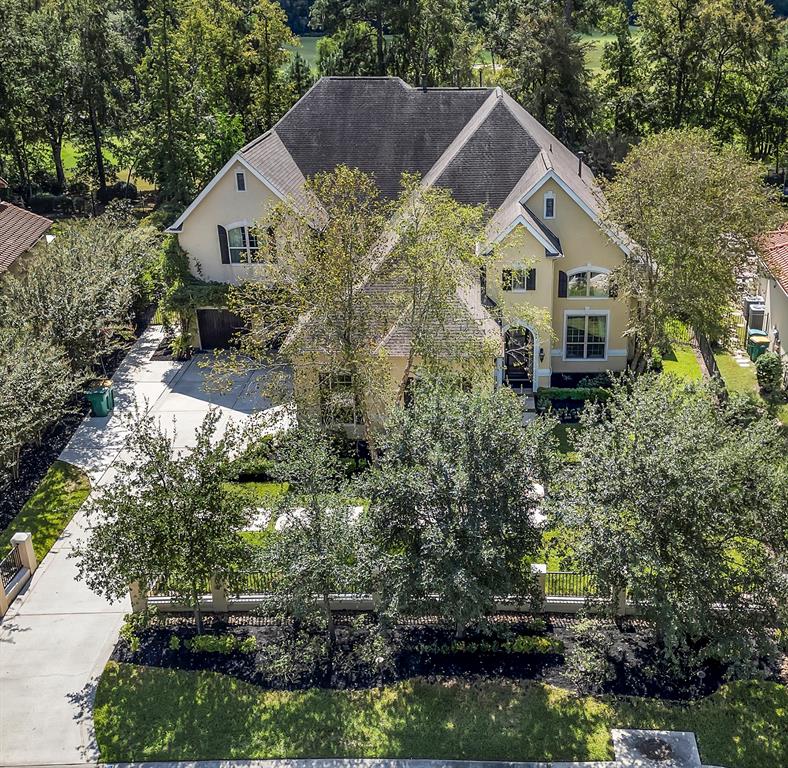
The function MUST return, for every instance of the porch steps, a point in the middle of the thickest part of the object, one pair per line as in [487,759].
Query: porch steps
[529,407]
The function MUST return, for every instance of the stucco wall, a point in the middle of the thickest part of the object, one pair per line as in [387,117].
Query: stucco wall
[224,205]
[583,244]
[777,309]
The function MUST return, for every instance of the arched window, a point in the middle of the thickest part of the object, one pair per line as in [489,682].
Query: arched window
[242,243]
[588,283]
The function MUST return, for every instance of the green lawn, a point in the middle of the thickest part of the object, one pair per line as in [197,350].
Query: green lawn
[144,713]
[49,510]
[744,381]
[681,361]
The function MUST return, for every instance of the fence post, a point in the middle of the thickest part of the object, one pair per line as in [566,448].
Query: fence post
[27,555]
[218,594]
[540,571]
[139,597]
[621,609]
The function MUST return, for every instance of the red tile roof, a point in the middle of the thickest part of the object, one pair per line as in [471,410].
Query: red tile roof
[775,254]
[20,230]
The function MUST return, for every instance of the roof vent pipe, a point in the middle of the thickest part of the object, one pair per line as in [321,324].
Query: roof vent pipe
[424,82]
[580,156]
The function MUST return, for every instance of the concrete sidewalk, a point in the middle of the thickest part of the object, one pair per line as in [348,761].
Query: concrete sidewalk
[58,635]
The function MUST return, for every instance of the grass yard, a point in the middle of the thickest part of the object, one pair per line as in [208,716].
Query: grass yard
[51,507]
[145,713]
[681,361]
[744,381]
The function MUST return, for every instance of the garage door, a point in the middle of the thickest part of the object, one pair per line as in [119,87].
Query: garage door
[217,328]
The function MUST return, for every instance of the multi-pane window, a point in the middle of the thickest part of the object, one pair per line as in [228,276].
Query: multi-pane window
[549,206]
[519,279]
[586,337]
[339,399]
[240,181]
[589,283]
[242,244]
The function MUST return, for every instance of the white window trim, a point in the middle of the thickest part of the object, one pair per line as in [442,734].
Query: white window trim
[588,313]
[587,268]
[248,226]
[548,196]
[242,174]
[514,267]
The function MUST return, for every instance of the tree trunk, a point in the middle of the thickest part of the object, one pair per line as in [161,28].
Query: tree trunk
[57,156]
[97,145]
[379,41]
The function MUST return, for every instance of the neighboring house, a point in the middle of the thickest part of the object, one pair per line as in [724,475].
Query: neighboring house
[774,289]
[20,230]
[485,148]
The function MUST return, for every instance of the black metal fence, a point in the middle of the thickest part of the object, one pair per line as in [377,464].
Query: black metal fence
[10,565]
[569,584]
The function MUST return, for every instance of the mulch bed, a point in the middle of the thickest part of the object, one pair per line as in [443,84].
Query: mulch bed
[36,459]
[634,670]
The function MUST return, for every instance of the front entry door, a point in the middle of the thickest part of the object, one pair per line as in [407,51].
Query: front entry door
[519,358]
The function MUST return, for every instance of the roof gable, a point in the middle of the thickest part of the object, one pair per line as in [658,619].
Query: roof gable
[492,160]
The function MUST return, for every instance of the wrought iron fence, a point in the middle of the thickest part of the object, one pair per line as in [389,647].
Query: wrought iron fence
[570,584]
[10,565]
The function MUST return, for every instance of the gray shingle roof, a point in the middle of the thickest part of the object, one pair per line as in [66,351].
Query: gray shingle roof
[492,161]
[377,124]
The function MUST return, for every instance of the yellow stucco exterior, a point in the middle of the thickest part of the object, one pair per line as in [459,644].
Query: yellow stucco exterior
[226,206]
[541,310]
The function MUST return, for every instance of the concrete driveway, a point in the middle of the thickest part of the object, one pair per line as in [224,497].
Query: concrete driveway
[58,635]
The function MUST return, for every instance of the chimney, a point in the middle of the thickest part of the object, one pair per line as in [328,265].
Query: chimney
[580,156]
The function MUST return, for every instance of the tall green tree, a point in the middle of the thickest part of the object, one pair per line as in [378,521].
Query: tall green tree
[548,72]
[621,86]
[80,294]
[676,502]
[693,211]
[105,64]
[378,16]
[169,517]
[315,550]
[349,51]
[453,523]
[266,55]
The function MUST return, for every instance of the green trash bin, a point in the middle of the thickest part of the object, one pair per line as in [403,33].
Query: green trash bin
[99,399]
[757,344]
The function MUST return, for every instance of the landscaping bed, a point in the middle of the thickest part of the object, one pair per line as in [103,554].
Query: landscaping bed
[144,713]
[616,657]
[48,511]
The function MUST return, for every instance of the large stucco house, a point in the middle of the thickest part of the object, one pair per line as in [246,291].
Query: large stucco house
[484,147]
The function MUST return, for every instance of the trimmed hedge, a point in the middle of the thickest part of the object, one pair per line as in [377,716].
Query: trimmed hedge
[545,396]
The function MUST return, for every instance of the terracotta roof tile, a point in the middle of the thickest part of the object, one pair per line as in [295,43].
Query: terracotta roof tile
[20,230]
[775,254]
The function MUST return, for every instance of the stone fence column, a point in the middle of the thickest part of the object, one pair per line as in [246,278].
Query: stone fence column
[27,555]
[139,597]
[218,595]
[539,571]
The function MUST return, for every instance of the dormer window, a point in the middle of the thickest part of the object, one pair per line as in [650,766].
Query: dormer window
[240,181]
[549,205]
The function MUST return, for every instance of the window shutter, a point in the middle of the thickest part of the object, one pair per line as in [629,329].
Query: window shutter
[612,287]
[506,280]
[530,280]
[224,247]
[562,285]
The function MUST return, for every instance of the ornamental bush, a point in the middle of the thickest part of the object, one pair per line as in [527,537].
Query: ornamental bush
[769,370]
